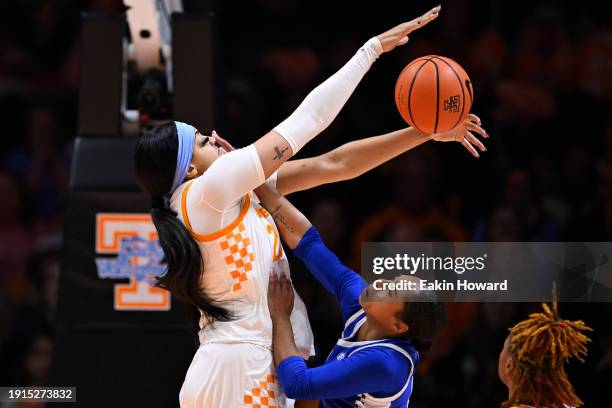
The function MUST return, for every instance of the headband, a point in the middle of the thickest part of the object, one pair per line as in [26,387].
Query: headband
[186,135]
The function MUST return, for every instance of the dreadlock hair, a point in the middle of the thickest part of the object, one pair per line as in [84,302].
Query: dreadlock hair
[542,345]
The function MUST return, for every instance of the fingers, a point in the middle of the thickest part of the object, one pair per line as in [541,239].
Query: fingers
[286,289]
[285,283]
[474,118]
[469,147]
[272,282]
[222,142]
[473,139]
[279,283]
[423,20]
[398,35]
[474,127]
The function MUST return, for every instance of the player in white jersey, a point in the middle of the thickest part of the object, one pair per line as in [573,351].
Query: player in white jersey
[222,246]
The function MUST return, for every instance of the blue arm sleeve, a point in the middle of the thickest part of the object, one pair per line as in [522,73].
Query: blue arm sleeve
[336,277]
[372,370]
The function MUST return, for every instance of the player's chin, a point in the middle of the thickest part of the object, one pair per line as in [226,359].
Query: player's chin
[363,299]
[364,305]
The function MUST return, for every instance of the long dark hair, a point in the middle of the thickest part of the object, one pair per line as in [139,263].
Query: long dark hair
[155,163]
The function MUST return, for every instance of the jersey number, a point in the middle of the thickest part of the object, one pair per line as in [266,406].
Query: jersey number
[277,248]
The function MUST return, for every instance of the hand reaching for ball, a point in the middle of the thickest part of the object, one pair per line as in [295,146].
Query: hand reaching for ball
[463,134]
[398,35]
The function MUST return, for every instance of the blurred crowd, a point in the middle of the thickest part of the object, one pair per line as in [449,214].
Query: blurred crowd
[542,74]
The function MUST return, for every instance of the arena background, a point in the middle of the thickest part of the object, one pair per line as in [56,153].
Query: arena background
[542,73]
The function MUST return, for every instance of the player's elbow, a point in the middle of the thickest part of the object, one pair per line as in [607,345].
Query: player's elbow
[294,381]
[290,387]
[297,391]
[337,167]
[292,393]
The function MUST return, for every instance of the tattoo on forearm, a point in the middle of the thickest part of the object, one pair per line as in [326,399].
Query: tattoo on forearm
[279,217]
[279,153]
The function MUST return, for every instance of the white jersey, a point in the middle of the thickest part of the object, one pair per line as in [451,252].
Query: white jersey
[238,260]
[240,248]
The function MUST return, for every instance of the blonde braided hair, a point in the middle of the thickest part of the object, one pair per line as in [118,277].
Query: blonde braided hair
[542,345]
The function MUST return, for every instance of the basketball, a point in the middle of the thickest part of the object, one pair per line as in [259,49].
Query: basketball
[433,94]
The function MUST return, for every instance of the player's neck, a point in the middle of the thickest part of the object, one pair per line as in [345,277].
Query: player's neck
[368,332]
[522,402]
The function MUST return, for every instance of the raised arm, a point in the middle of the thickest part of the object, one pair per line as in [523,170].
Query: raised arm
[357,157]
[290,221]
[311,117]
[297,232]
[317,111]
[348,161]
[323,104]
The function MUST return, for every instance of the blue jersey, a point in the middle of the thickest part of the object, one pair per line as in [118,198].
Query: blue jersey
[356,373]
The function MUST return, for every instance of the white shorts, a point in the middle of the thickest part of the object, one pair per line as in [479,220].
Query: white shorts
[231,375]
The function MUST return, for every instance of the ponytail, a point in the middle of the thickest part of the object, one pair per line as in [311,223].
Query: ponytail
[155,160]
[184,259]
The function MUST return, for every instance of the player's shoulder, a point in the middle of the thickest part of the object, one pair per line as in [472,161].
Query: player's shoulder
[391,351]
[384,361]
[394,353]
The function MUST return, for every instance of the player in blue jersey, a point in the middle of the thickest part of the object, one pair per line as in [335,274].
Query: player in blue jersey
[373,363]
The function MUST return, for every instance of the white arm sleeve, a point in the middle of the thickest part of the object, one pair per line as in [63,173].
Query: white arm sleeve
[323,103]
[228,179]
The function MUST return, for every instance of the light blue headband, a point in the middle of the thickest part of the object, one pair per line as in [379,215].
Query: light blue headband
[186,135]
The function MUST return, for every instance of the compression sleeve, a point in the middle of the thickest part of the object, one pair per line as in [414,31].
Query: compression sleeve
[228,179]
[323,104]
[336,277]
[374,369]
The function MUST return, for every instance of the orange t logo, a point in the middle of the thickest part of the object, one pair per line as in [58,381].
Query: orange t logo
[134,239]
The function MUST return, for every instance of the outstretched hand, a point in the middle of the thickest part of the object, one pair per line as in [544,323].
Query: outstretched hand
[463,134]
[398,35]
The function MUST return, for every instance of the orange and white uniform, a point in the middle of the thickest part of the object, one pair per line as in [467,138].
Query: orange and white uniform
[240,245]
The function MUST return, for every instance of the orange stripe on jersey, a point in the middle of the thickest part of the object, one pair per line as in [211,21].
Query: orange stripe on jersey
[184,206]
[222,231]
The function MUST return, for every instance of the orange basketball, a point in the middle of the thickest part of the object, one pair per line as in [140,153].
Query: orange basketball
[433,94]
